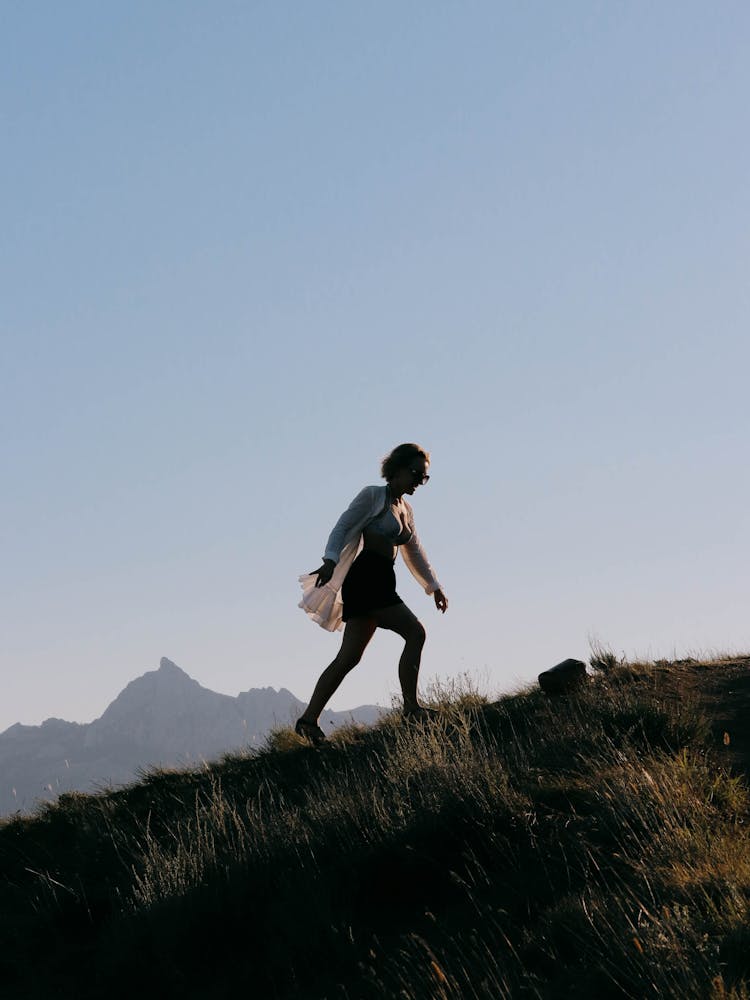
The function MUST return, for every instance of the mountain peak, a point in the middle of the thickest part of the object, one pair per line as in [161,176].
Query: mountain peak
[168,667]
[151,694]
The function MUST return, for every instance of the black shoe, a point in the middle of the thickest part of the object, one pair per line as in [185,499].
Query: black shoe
[311,732]
[421,714]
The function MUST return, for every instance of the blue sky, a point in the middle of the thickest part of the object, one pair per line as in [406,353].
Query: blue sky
[249,247]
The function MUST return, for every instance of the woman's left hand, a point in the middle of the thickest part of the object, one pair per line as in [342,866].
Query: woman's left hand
[441,601]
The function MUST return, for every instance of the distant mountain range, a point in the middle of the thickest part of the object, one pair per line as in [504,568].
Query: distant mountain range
[163,718]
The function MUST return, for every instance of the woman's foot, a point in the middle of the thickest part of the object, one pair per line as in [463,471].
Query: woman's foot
[310,731]
[419,713]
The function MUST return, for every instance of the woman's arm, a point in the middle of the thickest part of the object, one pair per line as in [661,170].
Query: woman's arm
[355,516]
[416,559]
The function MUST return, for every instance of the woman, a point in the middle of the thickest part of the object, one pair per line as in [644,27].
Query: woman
[358,567]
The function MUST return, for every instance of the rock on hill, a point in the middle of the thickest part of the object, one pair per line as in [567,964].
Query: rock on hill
[162,718]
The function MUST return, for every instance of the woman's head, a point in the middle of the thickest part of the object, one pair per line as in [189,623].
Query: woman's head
[406,458]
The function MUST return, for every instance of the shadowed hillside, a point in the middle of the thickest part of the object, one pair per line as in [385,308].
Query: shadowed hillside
[593,845]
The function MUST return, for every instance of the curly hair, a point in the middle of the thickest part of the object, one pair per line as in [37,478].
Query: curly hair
[401,458]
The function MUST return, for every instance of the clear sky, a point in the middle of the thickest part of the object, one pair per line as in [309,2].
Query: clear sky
[247,248]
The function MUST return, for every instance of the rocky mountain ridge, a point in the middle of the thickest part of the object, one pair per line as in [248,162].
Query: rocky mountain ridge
[164,717]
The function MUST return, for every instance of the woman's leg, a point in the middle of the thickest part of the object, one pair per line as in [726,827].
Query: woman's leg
[398,618]
[357,634]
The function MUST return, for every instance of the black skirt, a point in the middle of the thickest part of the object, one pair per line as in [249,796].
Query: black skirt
[369,584]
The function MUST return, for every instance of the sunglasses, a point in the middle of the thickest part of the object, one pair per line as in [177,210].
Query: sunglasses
[419,476]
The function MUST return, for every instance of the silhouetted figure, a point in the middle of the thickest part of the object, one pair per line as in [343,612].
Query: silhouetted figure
[356,584]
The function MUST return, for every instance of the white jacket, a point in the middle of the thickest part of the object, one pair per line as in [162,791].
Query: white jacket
[324,604]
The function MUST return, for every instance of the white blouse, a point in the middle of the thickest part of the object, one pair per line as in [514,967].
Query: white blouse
[324,604]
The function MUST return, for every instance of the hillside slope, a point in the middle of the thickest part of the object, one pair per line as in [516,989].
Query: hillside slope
[593,845]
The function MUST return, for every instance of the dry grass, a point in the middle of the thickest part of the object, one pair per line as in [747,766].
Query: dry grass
[590,846]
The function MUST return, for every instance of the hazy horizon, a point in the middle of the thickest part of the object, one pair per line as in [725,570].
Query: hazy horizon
[250,248]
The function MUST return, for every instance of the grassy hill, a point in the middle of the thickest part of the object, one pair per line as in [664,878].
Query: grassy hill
[593,845]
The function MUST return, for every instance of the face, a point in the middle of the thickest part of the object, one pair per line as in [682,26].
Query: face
[409,477]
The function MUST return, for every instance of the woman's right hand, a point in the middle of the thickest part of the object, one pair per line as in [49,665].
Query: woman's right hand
[325,572]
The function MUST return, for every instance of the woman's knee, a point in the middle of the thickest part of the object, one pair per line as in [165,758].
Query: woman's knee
[353,659]
[417,634]
[347,660]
